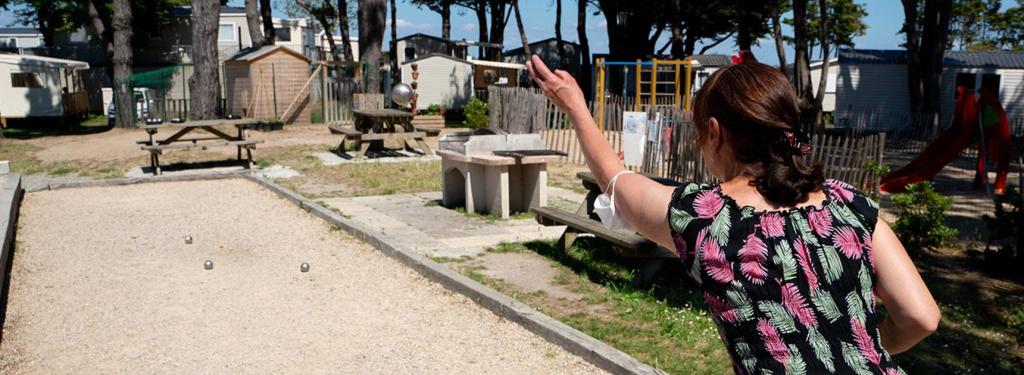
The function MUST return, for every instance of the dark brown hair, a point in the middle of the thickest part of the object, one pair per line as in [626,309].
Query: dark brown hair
[756,107]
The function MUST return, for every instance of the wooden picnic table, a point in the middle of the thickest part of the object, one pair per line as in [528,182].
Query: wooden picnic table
[215,138]
[374,126]
[626,243]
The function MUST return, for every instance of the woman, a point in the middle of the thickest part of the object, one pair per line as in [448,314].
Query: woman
[788,262]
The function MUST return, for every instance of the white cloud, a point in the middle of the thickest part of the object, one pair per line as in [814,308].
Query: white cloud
[402,23]
[469,27]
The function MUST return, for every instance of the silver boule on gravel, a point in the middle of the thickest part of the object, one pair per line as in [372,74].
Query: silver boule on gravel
[208,264]
[188,240]
[304,267]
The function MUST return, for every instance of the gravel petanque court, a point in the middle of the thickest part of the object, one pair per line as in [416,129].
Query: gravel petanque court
[103,282]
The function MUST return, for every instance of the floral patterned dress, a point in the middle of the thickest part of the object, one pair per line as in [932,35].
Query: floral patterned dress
[791,291]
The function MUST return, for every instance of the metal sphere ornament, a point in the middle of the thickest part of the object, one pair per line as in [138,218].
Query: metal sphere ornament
[188,240]
[402,94]
[304,267]
[208,264]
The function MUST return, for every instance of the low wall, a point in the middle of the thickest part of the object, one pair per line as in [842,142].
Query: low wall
[10,201]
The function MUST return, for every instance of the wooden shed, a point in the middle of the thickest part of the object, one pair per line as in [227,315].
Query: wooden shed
[264,82]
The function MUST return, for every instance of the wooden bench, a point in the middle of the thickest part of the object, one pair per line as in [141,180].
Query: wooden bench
[429,124]
[214,138]
[362,141]
[156,150]
[626,244]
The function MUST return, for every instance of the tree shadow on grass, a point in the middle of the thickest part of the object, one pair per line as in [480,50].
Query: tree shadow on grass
[31,129]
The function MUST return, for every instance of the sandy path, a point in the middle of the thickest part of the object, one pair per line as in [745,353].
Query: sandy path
[103,283]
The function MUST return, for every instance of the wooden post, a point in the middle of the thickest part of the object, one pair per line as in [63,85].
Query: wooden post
[654,84]
[273,82]
[675,67]
[323,92]
[639,77]
[687,79]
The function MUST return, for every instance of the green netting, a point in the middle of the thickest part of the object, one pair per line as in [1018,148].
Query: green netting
[157,79]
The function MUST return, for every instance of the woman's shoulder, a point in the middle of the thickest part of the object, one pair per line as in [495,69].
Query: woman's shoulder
[845,195]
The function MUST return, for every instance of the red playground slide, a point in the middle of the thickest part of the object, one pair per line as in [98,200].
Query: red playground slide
[943,150]
[997,141]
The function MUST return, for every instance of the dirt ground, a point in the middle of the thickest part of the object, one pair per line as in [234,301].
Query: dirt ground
[103,282]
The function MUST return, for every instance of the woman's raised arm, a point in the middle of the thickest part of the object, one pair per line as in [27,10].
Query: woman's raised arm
[640,200]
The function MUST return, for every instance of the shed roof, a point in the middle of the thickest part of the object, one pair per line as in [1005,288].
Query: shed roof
[712,60]
[42,61]
[252,54]
[497,64]
[422,35]
[19,31]
[1001,59]
[519,50]
[435,55]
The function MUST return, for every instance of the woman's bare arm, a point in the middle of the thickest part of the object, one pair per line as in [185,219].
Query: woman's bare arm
[913,314]
[641,201]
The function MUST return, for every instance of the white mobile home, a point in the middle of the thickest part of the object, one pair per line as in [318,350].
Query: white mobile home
[12,38]
[873,84]
[36,86]
[828,103]
[443,80]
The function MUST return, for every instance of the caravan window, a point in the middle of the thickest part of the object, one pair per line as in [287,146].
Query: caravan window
[967,80]
[990,81]
[226,32]
[283,34]
[24,80]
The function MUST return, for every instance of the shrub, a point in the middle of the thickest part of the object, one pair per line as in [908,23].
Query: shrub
[476,114]
[1008,219]
[875,173]
[434,110]
[1015,322]
[921,215]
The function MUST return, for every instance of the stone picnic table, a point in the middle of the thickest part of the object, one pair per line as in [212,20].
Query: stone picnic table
[373,126]
[214,138]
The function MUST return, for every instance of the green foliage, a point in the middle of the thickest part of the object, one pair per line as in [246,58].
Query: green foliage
[434,110]
[1008,219]
[845,22]
[921,215]
[1015,322]
[979,25]
[476,114]
[876,172]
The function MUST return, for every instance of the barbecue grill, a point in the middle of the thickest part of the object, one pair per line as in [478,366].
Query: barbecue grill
[492,172]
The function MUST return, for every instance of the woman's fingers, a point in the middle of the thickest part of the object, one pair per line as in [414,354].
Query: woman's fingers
[540,69]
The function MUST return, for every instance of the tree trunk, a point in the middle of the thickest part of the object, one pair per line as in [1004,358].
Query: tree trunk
[122,25]
[269,34]
[393,57]
[581,34]
[780,44]
[562,58]
[252,18]
[372,20]
[497,34]
[481,19]
[204,84]
[743,37]
[522,31]
[819,98]
[343,26]
[802,65]
[446,20]
[915,90]
[932,49]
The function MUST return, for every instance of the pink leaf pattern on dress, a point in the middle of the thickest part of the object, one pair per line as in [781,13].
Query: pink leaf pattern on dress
[867,249]
[773,342]
[753,254]
[846,240]
[840,190]
[804,259]
[707,204]
[771,225]
[721,308]
[680,243]
[821,221]
[713,258]
[864,343]
[796,304]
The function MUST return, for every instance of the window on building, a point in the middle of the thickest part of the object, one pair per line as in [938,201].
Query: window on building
[990,81]
[226,33]
[410,53]
[283,34]
[12,43]
[967,80]
[21,79]
[830,84]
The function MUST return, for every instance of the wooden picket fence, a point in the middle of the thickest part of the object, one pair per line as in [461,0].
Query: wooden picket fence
[677,156]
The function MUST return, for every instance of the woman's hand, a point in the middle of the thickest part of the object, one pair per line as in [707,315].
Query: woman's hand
[559,86]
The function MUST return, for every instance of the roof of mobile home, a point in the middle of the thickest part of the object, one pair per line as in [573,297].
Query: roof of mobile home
[1001,59]
[8,58]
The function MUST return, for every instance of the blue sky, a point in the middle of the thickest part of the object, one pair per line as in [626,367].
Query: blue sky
[884,20]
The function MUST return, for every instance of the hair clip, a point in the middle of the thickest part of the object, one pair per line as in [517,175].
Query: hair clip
[798,141]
